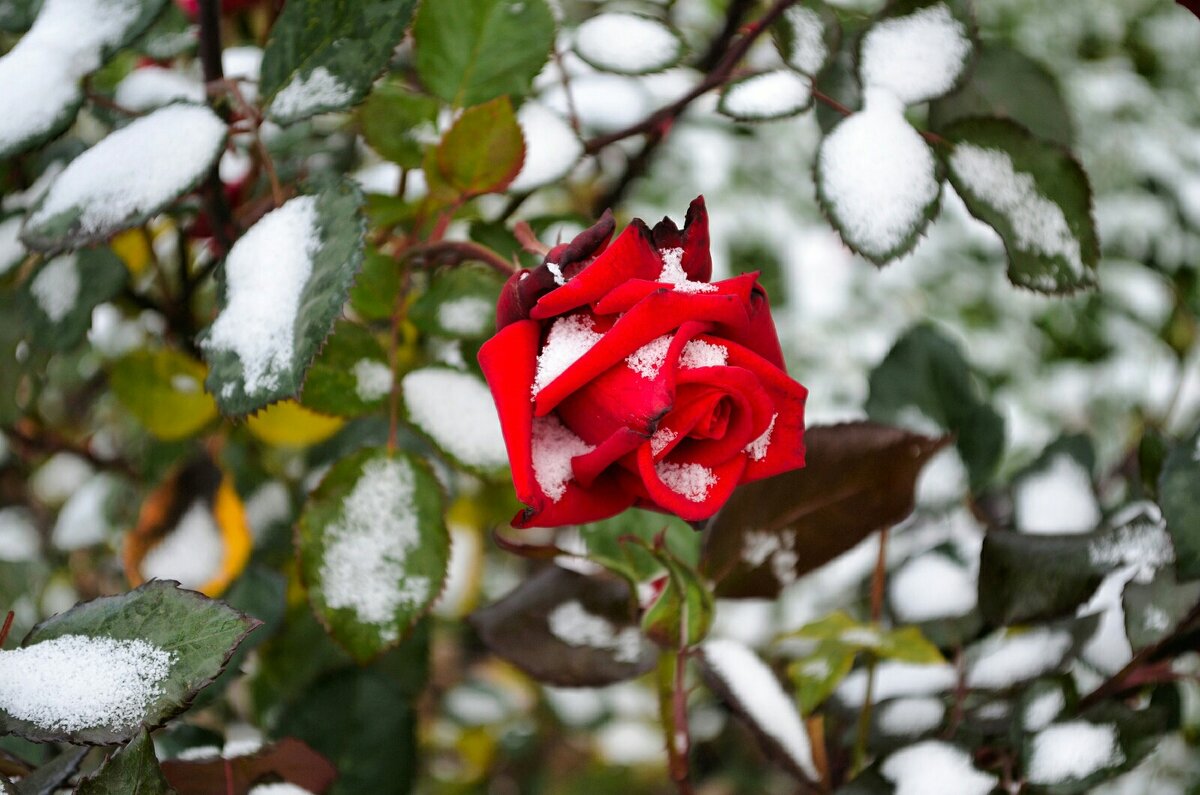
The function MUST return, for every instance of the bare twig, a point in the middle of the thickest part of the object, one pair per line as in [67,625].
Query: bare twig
[210,59]
[454,252]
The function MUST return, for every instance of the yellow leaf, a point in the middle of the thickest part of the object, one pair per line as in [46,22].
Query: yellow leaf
[133,247]
[164,390]
[288,424]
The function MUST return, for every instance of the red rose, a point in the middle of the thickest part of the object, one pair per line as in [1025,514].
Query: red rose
[624,378]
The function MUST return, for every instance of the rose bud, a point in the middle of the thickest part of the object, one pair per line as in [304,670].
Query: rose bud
[623,377]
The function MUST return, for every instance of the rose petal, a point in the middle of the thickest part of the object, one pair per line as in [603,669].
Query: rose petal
[697,259]
[625,296]
[661,313]
[699,491]
[508,361]
[630,256]
[759,335]
[591,465]
[521,292]
[750,416]
[607,496]
[786,449]
[584,246]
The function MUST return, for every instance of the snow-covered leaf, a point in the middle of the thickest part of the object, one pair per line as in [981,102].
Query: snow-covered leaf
[350,376]
[917,50]
[393,120]
[858,478]
[1035,195]
[750,687]
[455,411]
[323,55]
[164,390]
[283,286]
[935,768]
[41,75]
[1013,656]
[807,36]
[1153,610]
[567,629]
[459,303]
[52,776]
[925,383]
[128,177]
[471,51]
[1180,499]
[1006,83]
[877,180]
[64,291]
[484,150]
[132,769]
[1072,757]
[630,44]
[769,95]
[101,671]
[373,549]
[551,147]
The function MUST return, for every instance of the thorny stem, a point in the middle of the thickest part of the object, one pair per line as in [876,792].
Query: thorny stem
[672,708]
[8,622]
[210,58]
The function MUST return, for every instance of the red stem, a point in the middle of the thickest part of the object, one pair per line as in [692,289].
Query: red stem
[8,622]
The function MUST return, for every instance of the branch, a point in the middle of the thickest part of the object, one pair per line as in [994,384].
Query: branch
[454,252]
[210,58]
[717,76]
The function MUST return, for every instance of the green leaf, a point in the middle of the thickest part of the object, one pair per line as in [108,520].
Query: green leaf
[363,722]
[816,676]
[484,151]
[471,51]
[13,307]
[1155,609]
[373,549]
[1179,495]
[52,776]
[171,35]
[925,379]
[608,542]
[132,769]
[350,376]
[99,194]
[681,615]
[339,229]
[602,41]
[840,632]
[48,105]
[459,303]
[373,295]
[455,411]
[392,118]
[1035,195]
[859,478]
[63,292]
[198,633]
[568,629]
[807,36]
[323,55]
[164,390]
[1008,84]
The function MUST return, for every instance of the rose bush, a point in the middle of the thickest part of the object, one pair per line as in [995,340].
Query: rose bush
[624,377]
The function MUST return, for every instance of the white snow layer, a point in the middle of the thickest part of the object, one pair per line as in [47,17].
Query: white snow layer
[136,169]
[41,73]
[627,43]
[877,176]
[569,339]
[753,684]
[470,315]
[12,250]
[1040,227]
[809,49]
[908,717]
[19,539]
[365,565]
[690,481]
[1008,658]
[153,86]
[456,410]
[571,623]
[916,57]
[83,520]
[935,768]
[318,90]
[75,682]
[551,147]
[1057,499]
[372,379]
[770,95]
[55,288]
[1073,751]
[265,275]
[929,587]
[192,552]
[553,447]
[895,679]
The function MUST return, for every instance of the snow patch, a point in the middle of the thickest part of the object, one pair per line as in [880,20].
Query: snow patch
[191,553]
[19,539]
[553,447]
[673,273]
[809,50]
[908,717]
[318,90]
[569,339]
[935,768]
[1073,751]
[930,587]
[754,686]
[571,623]
[691,481]
[770,95]
[73,682]
[698,353]
[470,315]
[456,410]
[551,147]
[1008,658]
[372,379]
[647,361]
[1057,499]
[916,57]
[1041,711]
[56,287]
[626,43]
[757,449]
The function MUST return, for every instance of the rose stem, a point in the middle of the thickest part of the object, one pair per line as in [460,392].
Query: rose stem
[878,581]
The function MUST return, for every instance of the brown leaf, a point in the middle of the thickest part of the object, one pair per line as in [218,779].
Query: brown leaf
[859,478]
[288,760]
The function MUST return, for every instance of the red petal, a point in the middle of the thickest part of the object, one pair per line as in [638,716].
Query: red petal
[607,496]
[725,478]
[661,313]
[630,256]
[508,361]
[786,449]
[697,259]
[759,334]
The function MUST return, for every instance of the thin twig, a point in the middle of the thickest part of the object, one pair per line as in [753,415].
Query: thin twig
[4,630]
[878,583]
[454,252]
[210,59]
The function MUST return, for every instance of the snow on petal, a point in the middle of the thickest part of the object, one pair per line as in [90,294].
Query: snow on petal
[553,447]
[569,339]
